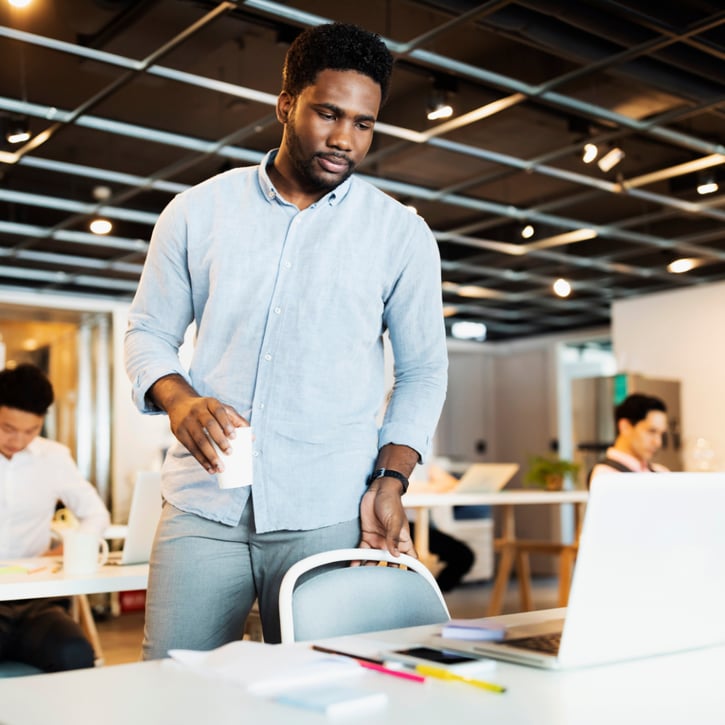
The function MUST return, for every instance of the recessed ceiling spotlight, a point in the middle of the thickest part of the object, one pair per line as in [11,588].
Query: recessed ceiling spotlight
[101,192]
[20,3]
[561,288]
[527,232]
[100,226]
[610,159]
[684,264]
[590,153]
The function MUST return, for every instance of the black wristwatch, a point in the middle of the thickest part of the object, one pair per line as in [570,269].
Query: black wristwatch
[387,473]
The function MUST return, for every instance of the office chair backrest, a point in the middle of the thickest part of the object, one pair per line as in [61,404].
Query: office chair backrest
[350,600]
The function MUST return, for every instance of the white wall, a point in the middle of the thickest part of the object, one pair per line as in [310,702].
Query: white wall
[679,336]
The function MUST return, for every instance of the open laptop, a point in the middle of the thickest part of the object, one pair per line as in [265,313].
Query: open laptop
[647,581]
[486,477]
[143,516]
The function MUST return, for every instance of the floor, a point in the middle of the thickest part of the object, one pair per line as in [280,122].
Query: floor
[121,635]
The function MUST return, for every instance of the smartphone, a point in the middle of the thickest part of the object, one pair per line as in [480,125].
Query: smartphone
[440,656]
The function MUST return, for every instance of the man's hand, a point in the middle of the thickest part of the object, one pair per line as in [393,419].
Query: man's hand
[196,421]
[383,521]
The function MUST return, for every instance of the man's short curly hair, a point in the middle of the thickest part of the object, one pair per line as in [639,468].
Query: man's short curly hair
[26,388]
[336,46]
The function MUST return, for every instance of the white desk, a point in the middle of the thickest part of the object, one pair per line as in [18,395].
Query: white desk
[513,550]
[671,690]
[52,581]
[47,579]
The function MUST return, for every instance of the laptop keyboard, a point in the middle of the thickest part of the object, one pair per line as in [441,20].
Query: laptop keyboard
[546,643]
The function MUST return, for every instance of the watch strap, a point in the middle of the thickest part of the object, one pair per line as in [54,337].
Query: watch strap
[389,473]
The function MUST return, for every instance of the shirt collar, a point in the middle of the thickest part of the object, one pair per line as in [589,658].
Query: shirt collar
[631,462]
[269,192]
[32,449]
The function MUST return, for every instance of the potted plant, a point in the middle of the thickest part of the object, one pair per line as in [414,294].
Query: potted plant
[549,473]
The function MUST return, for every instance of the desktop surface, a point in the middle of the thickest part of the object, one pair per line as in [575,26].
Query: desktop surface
[666,690]
[44,577]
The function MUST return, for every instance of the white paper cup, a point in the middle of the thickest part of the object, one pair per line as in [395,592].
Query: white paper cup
[238,463]
[83,552]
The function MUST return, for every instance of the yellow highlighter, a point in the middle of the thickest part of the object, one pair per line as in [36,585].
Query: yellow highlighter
[442,674]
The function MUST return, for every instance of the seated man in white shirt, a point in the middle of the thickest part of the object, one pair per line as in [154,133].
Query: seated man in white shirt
[641,423]
[35,473]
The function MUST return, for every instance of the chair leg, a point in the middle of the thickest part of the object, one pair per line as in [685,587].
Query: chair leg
[566,569]
[82,612]
[523,572]
[501,582]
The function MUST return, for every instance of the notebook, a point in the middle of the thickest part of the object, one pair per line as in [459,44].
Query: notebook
[143,516]
[486,477]
[648,577]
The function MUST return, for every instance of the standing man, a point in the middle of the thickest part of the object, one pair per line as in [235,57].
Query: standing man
[291,271]
[35,473]
[640,422]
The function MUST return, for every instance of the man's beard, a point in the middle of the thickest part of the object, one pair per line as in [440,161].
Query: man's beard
[307,168]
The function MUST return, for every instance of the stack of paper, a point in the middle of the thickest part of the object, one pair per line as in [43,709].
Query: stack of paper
[267,669]
[473,629]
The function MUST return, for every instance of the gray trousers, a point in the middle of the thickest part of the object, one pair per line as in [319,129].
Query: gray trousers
[204,577]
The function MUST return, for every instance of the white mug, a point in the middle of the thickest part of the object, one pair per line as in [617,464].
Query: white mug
[238,470]
[83,552]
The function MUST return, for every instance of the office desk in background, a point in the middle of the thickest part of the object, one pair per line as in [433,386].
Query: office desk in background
[46,578]
[669,690]
[512,550]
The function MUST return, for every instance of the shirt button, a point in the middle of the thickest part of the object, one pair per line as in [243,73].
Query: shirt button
[255,453]
[288,264]
[277,310]
[267,357]
[261,406]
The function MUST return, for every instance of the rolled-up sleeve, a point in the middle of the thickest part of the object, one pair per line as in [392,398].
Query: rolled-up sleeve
[414,317]
[162,309]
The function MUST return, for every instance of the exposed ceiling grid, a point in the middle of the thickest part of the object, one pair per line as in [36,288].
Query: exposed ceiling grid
[147,97]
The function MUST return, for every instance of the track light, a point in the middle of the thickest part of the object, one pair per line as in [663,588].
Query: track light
[562,288]
[707,184]
[610,159]
[439,105]
[684,264]
[591,151]
[527,231]
[100,226]
[465,330]
[17,130]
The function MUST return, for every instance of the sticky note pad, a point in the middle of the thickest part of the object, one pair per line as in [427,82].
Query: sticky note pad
[334,702]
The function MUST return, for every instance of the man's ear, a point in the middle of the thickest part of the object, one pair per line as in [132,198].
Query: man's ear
[284,106]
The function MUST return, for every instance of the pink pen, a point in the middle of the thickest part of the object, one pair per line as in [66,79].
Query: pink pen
[388,671]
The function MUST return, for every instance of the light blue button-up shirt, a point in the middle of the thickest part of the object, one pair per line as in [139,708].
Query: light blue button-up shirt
[290,308]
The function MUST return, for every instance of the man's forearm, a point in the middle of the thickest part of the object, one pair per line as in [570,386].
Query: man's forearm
[168,390]
[394,457]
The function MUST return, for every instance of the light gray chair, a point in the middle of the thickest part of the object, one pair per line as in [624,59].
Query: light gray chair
[345,600]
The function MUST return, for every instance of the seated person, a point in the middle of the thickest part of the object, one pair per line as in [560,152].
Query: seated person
[34,474]
[640,422]
[456,556]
